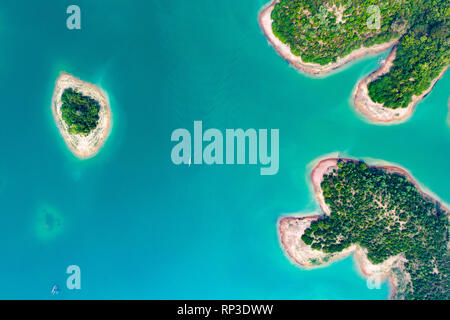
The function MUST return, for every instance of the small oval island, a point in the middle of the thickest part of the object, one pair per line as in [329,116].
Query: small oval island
[82,114]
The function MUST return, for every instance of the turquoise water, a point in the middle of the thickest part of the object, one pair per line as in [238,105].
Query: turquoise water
[140,227]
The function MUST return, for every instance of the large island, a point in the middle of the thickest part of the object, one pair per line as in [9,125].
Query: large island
[321,36]
[394,228]
[82,114]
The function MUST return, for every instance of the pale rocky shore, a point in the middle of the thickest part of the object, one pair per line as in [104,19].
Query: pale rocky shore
[82,146]
[291,229]
[284,50]
[376,112]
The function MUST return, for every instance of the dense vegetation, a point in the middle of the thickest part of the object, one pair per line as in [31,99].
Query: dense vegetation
[422,53]
[320,31]
[386,214]
[79,112]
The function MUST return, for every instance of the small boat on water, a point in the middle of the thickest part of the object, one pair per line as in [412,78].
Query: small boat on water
[55,290]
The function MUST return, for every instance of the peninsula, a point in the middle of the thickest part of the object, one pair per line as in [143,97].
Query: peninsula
[323,36]
[82,114]
[393,226]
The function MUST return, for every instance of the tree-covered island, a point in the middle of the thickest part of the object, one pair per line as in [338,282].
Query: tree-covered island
[322,35]
[82,114]
[382,211]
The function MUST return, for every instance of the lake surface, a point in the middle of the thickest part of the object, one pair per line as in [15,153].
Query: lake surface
[140,227]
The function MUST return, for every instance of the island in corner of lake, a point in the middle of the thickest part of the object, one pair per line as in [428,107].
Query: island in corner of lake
[82,113]
[323,36]
[394,227]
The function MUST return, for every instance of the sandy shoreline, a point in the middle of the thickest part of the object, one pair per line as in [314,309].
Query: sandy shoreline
[265,21]
[291,228]
[82,146]
[376,112]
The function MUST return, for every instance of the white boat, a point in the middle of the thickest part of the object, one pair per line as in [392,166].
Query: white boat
[55,290]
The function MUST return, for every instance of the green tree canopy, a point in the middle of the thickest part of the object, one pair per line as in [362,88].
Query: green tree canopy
[79,112]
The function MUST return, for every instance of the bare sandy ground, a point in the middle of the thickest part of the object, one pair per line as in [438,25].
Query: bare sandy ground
[284,50]
[376,112]
[82,146]
[291,228]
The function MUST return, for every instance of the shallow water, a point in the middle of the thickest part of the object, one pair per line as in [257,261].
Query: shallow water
[137,225]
